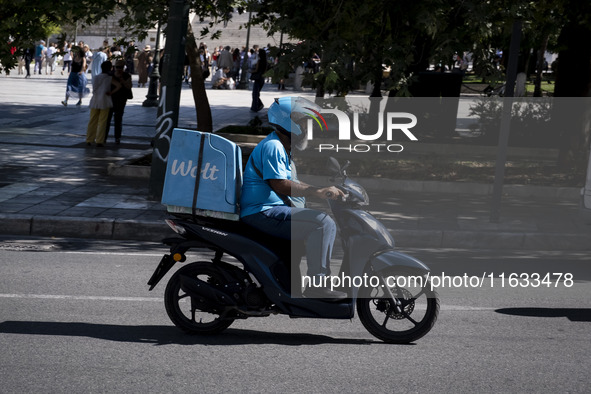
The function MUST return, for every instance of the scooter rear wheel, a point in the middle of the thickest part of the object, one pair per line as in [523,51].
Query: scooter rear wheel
[190,315]
[411,319]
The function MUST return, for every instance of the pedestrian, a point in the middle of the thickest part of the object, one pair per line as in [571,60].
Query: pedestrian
[115,52]
[214,59]
[254,56]
[236,62]
[28,55]
[186,69]
[258,77]
[119,97]
[225,59]
[144,63]
[100,104]
[204,58]
[88,55]
[98,58]
[67,58]
[51,53]
[21,65]
[130,53]
[222,80]
[39,56]
[77,78]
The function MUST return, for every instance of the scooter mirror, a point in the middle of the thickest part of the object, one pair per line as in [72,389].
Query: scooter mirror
[333,165]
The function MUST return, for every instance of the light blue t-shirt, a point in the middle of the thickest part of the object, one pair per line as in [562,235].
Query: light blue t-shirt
[97,59]
[271,159]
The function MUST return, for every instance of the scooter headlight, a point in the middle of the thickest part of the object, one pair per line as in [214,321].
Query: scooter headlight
[357,192]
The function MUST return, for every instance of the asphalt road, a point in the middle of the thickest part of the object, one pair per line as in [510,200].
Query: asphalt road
[76,316]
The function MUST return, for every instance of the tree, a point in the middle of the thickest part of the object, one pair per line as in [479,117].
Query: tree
[359,40]
[140,15]
[573,79]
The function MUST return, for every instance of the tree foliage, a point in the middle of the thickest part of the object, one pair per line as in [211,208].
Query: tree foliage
[358,40]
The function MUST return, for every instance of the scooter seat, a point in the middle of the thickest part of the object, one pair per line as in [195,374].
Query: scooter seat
[280,246]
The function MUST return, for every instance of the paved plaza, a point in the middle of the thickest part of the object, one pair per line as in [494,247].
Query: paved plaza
[52,184]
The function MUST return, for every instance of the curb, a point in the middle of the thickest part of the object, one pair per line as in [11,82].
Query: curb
[124,169]
[76,227]
[138,230]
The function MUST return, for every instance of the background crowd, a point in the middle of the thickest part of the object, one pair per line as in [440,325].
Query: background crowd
[108,71]
[50,59]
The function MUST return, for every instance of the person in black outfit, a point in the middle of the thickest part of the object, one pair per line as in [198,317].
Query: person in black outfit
[259,81]
[119,98]
[28,54]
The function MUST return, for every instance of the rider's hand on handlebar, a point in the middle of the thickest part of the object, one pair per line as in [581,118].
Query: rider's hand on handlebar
[331,192]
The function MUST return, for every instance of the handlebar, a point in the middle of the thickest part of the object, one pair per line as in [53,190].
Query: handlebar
[329,195]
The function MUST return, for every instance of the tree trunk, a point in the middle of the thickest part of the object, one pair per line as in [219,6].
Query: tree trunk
[202,108]
[378,58]
[573,79]
[540,67]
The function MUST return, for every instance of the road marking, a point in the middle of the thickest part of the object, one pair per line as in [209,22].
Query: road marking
[113,253]
[153,299]
[80,298]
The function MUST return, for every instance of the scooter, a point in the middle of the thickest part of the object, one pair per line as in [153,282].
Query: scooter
[391,290]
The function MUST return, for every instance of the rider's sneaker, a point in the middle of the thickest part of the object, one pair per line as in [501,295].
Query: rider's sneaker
[324,293]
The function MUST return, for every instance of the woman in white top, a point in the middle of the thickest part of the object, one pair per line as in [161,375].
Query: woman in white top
[67,58]
[100,103]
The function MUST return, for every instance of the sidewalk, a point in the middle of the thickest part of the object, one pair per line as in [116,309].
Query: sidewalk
[51,184]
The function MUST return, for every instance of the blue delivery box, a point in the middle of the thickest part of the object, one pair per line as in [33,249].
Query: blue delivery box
[203,175]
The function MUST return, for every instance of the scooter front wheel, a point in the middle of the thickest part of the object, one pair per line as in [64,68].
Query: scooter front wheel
[191,315]
[401,310]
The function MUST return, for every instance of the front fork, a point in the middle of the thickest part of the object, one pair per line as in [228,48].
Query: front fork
[396,303]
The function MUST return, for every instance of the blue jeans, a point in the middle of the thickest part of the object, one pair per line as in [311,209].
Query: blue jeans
[316,228]
[38,64]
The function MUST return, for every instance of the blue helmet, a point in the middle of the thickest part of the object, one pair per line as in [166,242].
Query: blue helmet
[287,113]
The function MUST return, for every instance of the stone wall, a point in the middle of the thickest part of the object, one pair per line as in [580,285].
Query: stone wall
[233,33]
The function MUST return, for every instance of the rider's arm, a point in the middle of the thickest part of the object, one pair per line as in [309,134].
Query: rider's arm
[294,189]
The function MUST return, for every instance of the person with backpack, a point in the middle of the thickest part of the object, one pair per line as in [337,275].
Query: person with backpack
[273,199]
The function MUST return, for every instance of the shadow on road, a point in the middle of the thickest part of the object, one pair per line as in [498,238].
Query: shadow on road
[573,314]
[166,335]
